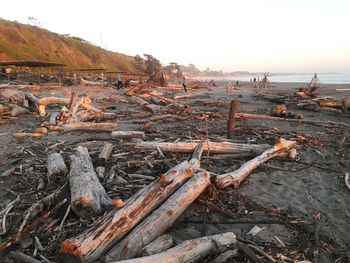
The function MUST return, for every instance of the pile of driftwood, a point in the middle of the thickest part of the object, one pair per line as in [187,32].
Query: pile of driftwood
[133,227]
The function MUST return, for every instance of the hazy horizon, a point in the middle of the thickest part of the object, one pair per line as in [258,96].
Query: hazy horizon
[255,36]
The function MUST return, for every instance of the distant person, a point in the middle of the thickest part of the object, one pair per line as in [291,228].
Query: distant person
[184,84]
[254,80]
[119,81]
[8,71]
[127,83]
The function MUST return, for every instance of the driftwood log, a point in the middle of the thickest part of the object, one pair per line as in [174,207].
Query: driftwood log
[95,241]
[158,245]
[236,177]
[86,126]
[330,124]
[55,167]
[88,197]
[128,134]
[161,219]
[214,147]
[190,250]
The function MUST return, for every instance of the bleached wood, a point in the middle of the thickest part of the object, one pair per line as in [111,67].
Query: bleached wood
[56,167]
[161,219]
[214,147]
[88,197]
[95,241]
[236,177]
[190,250]
[158,245]
[127,134]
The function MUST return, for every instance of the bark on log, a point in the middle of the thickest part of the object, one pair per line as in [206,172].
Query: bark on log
[330,124]
[214,147]
[93,242]
[190,250]
[158,245]
[88,197]
[105,153]
[161,219]
[237,176]
[86,126]
[128,134]
[55,167]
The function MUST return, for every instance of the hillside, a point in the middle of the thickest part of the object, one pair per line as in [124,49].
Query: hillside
[19,41]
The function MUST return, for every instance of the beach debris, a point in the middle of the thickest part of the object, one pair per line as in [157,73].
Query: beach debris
[191,250]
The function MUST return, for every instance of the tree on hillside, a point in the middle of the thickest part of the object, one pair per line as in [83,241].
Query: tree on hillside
[173,70]
[152,64]
[139,63]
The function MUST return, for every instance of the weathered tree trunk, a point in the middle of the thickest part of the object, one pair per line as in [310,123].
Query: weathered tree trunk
[161,219]
[128,134]
[88,197]
[55,167]
[237,176]
[190,250]
[105,153]
[92,243]
[214,147]
[86,126]
[158,245]
[242,116]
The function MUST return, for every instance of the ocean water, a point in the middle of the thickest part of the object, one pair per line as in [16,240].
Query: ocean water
[325,78]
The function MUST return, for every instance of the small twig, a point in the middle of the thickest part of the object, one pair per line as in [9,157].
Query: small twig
[4,230]
[64,218]
[262,252]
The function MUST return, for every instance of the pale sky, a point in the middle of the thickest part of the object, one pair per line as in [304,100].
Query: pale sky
[253,35]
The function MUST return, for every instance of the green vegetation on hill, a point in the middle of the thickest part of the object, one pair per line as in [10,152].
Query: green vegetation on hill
[24,42]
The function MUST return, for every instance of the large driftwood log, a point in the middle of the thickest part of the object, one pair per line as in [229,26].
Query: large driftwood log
[190,250]
[237,176]
[330,124]
[128,134]
[161,219]
[158,245]
[86,126]
[88,197]
[214,147]
[55,167]
[93,242]
[17,110]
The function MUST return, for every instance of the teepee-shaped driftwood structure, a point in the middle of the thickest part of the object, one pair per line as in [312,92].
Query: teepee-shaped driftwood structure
[308,91]
[264,84]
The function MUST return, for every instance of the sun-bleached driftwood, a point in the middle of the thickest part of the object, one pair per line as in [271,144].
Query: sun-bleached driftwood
[153,108]
[190,250]
[236,177]
[88,197]
[346,178]
[161,219]
[330,124]
[214,147]
[106,232]
[158,245]
[56,167]
[105,153]
[86,126]
[128,134]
